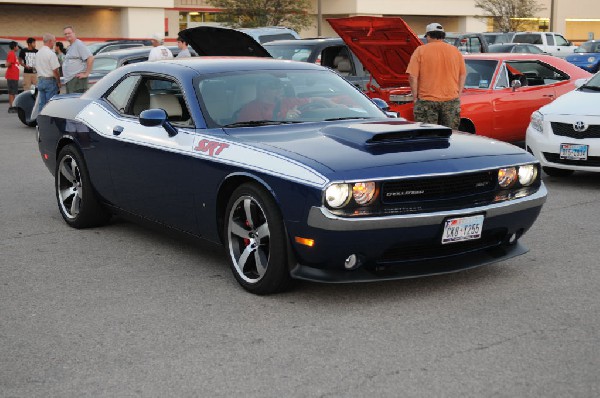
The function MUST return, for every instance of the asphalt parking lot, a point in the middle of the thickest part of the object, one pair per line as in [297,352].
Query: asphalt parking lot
[125,310]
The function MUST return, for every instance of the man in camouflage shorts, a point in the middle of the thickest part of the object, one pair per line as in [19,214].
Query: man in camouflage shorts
[437,75]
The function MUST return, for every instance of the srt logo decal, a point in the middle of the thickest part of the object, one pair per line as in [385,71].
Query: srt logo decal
[214,148]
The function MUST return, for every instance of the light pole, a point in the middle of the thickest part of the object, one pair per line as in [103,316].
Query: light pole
[552,25]
[320,16]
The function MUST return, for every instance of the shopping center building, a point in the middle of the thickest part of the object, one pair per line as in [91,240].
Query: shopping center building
[97,20]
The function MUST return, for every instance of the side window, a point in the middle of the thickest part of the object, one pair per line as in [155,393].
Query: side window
[561,41]
[120,95]
[550,39]
[502,81]
[538,73]
[155,93]
[474,45]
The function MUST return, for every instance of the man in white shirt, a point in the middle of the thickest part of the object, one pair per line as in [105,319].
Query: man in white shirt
[159,51]
[47,67]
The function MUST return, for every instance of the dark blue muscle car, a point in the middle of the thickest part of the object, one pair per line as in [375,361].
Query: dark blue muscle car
[291,168]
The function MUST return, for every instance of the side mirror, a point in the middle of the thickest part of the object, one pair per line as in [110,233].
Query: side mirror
[515,84]
[157,117]
[381,104]
[580,82]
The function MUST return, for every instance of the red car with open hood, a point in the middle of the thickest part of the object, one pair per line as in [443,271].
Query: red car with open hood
[501,90]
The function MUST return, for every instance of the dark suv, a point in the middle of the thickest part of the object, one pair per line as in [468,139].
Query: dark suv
[331,52]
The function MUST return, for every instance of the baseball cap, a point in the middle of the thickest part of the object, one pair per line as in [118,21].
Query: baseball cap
[157,37]
[434,27]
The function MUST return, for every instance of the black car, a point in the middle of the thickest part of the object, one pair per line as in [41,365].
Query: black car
[112,45]
[331,52]
[522,48]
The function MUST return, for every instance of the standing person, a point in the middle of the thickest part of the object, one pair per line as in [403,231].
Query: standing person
[77,63]
[437,77]
[27,59]
[159,51]
[12,75]
[47,67]
[184,51]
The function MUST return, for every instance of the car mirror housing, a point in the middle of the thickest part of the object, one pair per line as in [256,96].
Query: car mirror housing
[157,117]
[381,104]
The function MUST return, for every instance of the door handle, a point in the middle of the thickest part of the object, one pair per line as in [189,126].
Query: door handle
[117,130]
[548,95]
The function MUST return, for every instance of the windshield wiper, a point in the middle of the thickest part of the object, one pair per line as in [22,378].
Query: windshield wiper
[593,88]
[346,118]
[253,123]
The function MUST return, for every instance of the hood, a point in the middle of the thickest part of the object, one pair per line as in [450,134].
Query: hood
[376,148]
[576,103]
[384,45]
[214,41]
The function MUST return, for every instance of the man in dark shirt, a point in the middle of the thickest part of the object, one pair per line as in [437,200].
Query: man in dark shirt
[27,58]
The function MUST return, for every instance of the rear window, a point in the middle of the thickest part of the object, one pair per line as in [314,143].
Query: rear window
[291,52]
[104,65]
[531,38]
[280,36]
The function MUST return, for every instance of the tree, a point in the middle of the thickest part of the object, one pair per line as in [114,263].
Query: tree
[508,14]
[256,13]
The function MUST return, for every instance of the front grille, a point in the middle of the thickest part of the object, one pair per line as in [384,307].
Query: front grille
[439,187]
[432,250]
[566,130]
[592,161]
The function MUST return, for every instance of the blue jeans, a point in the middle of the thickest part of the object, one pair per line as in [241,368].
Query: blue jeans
[47,88]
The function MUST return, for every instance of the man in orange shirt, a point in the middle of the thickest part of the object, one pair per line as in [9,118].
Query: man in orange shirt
[437,75]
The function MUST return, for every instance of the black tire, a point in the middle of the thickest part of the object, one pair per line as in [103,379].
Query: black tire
[554,172]
[77,201]
[21,114]
[256,241]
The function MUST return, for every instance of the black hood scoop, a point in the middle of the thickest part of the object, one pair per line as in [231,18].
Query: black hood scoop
[385,137]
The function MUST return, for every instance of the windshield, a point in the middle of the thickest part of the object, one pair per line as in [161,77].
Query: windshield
[588,47]
[277,97]
[93,47]
[292,52]
[594,81]
[480,73]
[104,65]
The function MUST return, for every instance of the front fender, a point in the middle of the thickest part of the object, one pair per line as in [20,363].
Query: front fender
[25,103]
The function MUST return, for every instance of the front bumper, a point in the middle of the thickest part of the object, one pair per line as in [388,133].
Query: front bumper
[546,148]
[408,246]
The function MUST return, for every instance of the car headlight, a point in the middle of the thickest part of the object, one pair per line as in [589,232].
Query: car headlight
[537,121]
[337,195]
[527,174]
[363,192]
[507,177]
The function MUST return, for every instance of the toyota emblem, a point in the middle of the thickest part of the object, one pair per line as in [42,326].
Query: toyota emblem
[579,126]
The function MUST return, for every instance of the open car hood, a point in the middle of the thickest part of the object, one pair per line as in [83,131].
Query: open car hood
[384,45]
[213,41]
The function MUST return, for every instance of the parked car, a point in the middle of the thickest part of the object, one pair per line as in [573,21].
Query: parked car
[113,45]
[515,48]
[105,62]
[331,52]
[587,56]
[498,37]
[565,134]
[468,43]
[501,91]
[549,42]
[336,192]
[270,33]
[4,49]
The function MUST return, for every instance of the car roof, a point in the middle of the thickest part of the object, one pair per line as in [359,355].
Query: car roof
[132,52]
[232,64]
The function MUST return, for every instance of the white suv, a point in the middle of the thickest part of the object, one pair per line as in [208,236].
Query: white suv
[549,42]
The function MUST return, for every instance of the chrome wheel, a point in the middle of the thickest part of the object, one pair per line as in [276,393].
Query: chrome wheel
[249,239]
[69,187]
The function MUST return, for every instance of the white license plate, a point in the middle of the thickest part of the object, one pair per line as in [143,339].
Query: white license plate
[573,151]
[462,228]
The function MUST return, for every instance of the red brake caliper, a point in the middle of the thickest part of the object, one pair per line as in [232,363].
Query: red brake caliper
[246,240]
